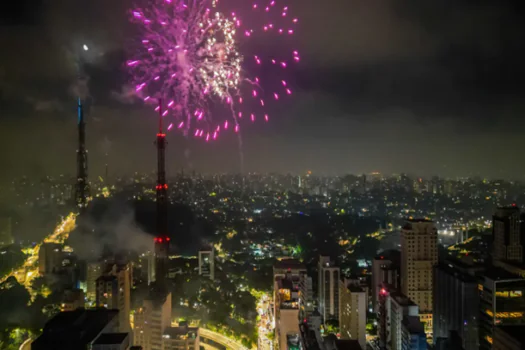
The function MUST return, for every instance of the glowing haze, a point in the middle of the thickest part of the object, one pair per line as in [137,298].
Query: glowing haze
[189,56]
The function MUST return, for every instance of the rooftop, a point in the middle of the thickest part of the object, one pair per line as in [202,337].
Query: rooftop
[505,211]
[74,329]
[111,338]
[308,336]
[496,273]
[289,264]
[461,274]
[401,299]
[176,332]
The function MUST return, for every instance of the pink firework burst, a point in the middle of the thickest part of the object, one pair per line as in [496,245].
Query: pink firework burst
[190,56]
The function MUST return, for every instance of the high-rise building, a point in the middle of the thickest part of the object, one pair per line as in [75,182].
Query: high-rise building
[328,286]
[501,303]
[306,295]
[383,316]
[394,308]
[76,329]
[93,271]
[207,263]
[385,269]
[456,301]
[352,318]
[107,292]
[284,267]
[49,258]
[508,235]
[401,307]
[113,292]
[419,255]
[151,320]
[147,266]
[286,305]
[310,332]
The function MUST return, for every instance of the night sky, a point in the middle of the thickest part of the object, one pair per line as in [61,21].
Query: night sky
[425,87]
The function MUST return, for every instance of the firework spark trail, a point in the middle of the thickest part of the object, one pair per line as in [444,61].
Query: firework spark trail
[189,56]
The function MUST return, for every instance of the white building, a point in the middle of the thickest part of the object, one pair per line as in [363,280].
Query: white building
[207,263]
[328,289]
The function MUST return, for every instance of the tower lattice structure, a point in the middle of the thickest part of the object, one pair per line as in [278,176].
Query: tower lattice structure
[82,185]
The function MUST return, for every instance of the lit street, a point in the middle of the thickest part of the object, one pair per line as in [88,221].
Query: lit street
[29,270]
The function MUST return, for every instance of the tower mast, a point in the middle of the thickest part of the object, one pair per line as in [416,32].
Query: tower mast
[161,239]
[81,186]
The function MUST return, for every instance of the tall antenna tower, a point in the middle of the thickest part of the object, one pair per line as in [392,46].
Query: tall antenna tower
[162,240]
[82,185]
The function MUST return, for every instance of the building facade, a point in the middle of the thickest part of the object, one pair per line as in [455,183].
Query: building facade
[112,341]
[49,258]
[508,234]
[456,301]
[352,319]
[401,308]
[76,329]
[151,320]
[385,269]
[286,304]
[501,303]
[328,289]
[306,296]
[114,292]
[419,255]
[207,264]
[413,334]
[93,271]
[181,338]
[72,300]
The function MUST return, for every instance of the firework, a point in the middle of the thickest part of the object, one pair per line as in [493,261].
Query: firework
[189,56]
